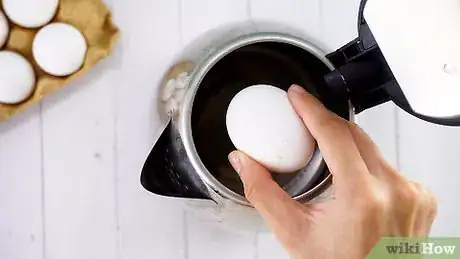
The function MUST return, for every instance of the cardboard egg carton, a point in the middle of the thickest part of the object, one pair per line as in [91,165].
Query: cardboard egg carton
[92,18]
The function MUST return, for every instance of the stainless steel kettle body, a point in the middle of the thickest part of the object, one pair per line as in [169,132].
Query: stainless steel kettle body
[190,158]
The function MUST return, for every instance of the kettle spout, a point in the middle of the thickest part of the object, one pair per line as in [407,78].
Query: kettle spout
[162,174]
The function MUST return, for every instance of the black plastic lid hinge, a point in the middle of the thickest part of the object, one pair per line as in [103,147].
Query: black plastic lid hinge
[361,75]
[346,53]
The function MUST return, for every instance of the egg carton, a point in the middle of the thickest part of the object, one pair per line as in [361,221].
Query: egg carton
[92,18]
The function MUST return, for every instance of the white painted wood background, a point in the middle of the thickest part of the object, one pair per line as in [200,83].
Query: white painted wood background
[69,167]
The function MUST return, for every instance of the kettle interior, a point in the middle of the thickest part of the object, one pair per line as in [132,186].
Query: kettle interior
[275,63]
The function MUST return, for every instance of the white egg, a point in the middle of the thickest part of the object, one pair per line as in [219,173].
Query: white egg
[17,78]
[262,123]
[4,29]
[59,49]
[30,13]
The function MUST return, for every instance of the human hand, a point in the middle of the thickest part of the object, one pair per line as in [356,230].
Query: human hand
[371,199]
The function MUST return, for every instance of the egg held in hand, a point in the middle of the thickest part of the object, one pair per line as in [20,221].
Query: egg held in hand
[262,123]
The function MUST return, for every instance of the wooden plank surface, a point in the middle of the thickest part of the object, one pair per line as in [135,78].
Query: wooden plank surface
[78,152]
[269,247]
[207,240]
[302,15]
[199,16]
[21,228]
[150,227]
[430,154]
[339,21]
[381,124]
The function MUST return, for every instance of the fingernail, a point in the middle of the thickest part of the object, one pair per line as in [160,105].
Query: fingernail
[235,161]
[297,89]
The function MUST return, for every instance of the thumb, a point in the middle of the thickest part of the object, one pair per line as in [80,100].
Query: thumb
[273,203]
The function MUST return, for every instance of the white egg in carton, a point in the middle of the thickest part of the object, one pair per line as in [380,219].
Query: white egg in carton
[4,29]
[30,13]
[59,49]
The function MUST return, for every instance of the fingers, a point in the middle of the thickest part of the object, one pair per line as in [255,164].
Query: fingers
[280,211]
[373,159]
[433,205]
[426,210]
[414,209]
[333,135]
[368,150]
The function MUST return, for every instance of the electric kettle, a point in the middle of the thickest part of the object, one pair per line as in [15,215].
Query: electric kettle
[407,52]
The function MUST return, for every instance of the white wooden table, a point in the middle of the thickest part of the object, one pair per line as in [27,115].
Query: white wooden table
[69,167]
